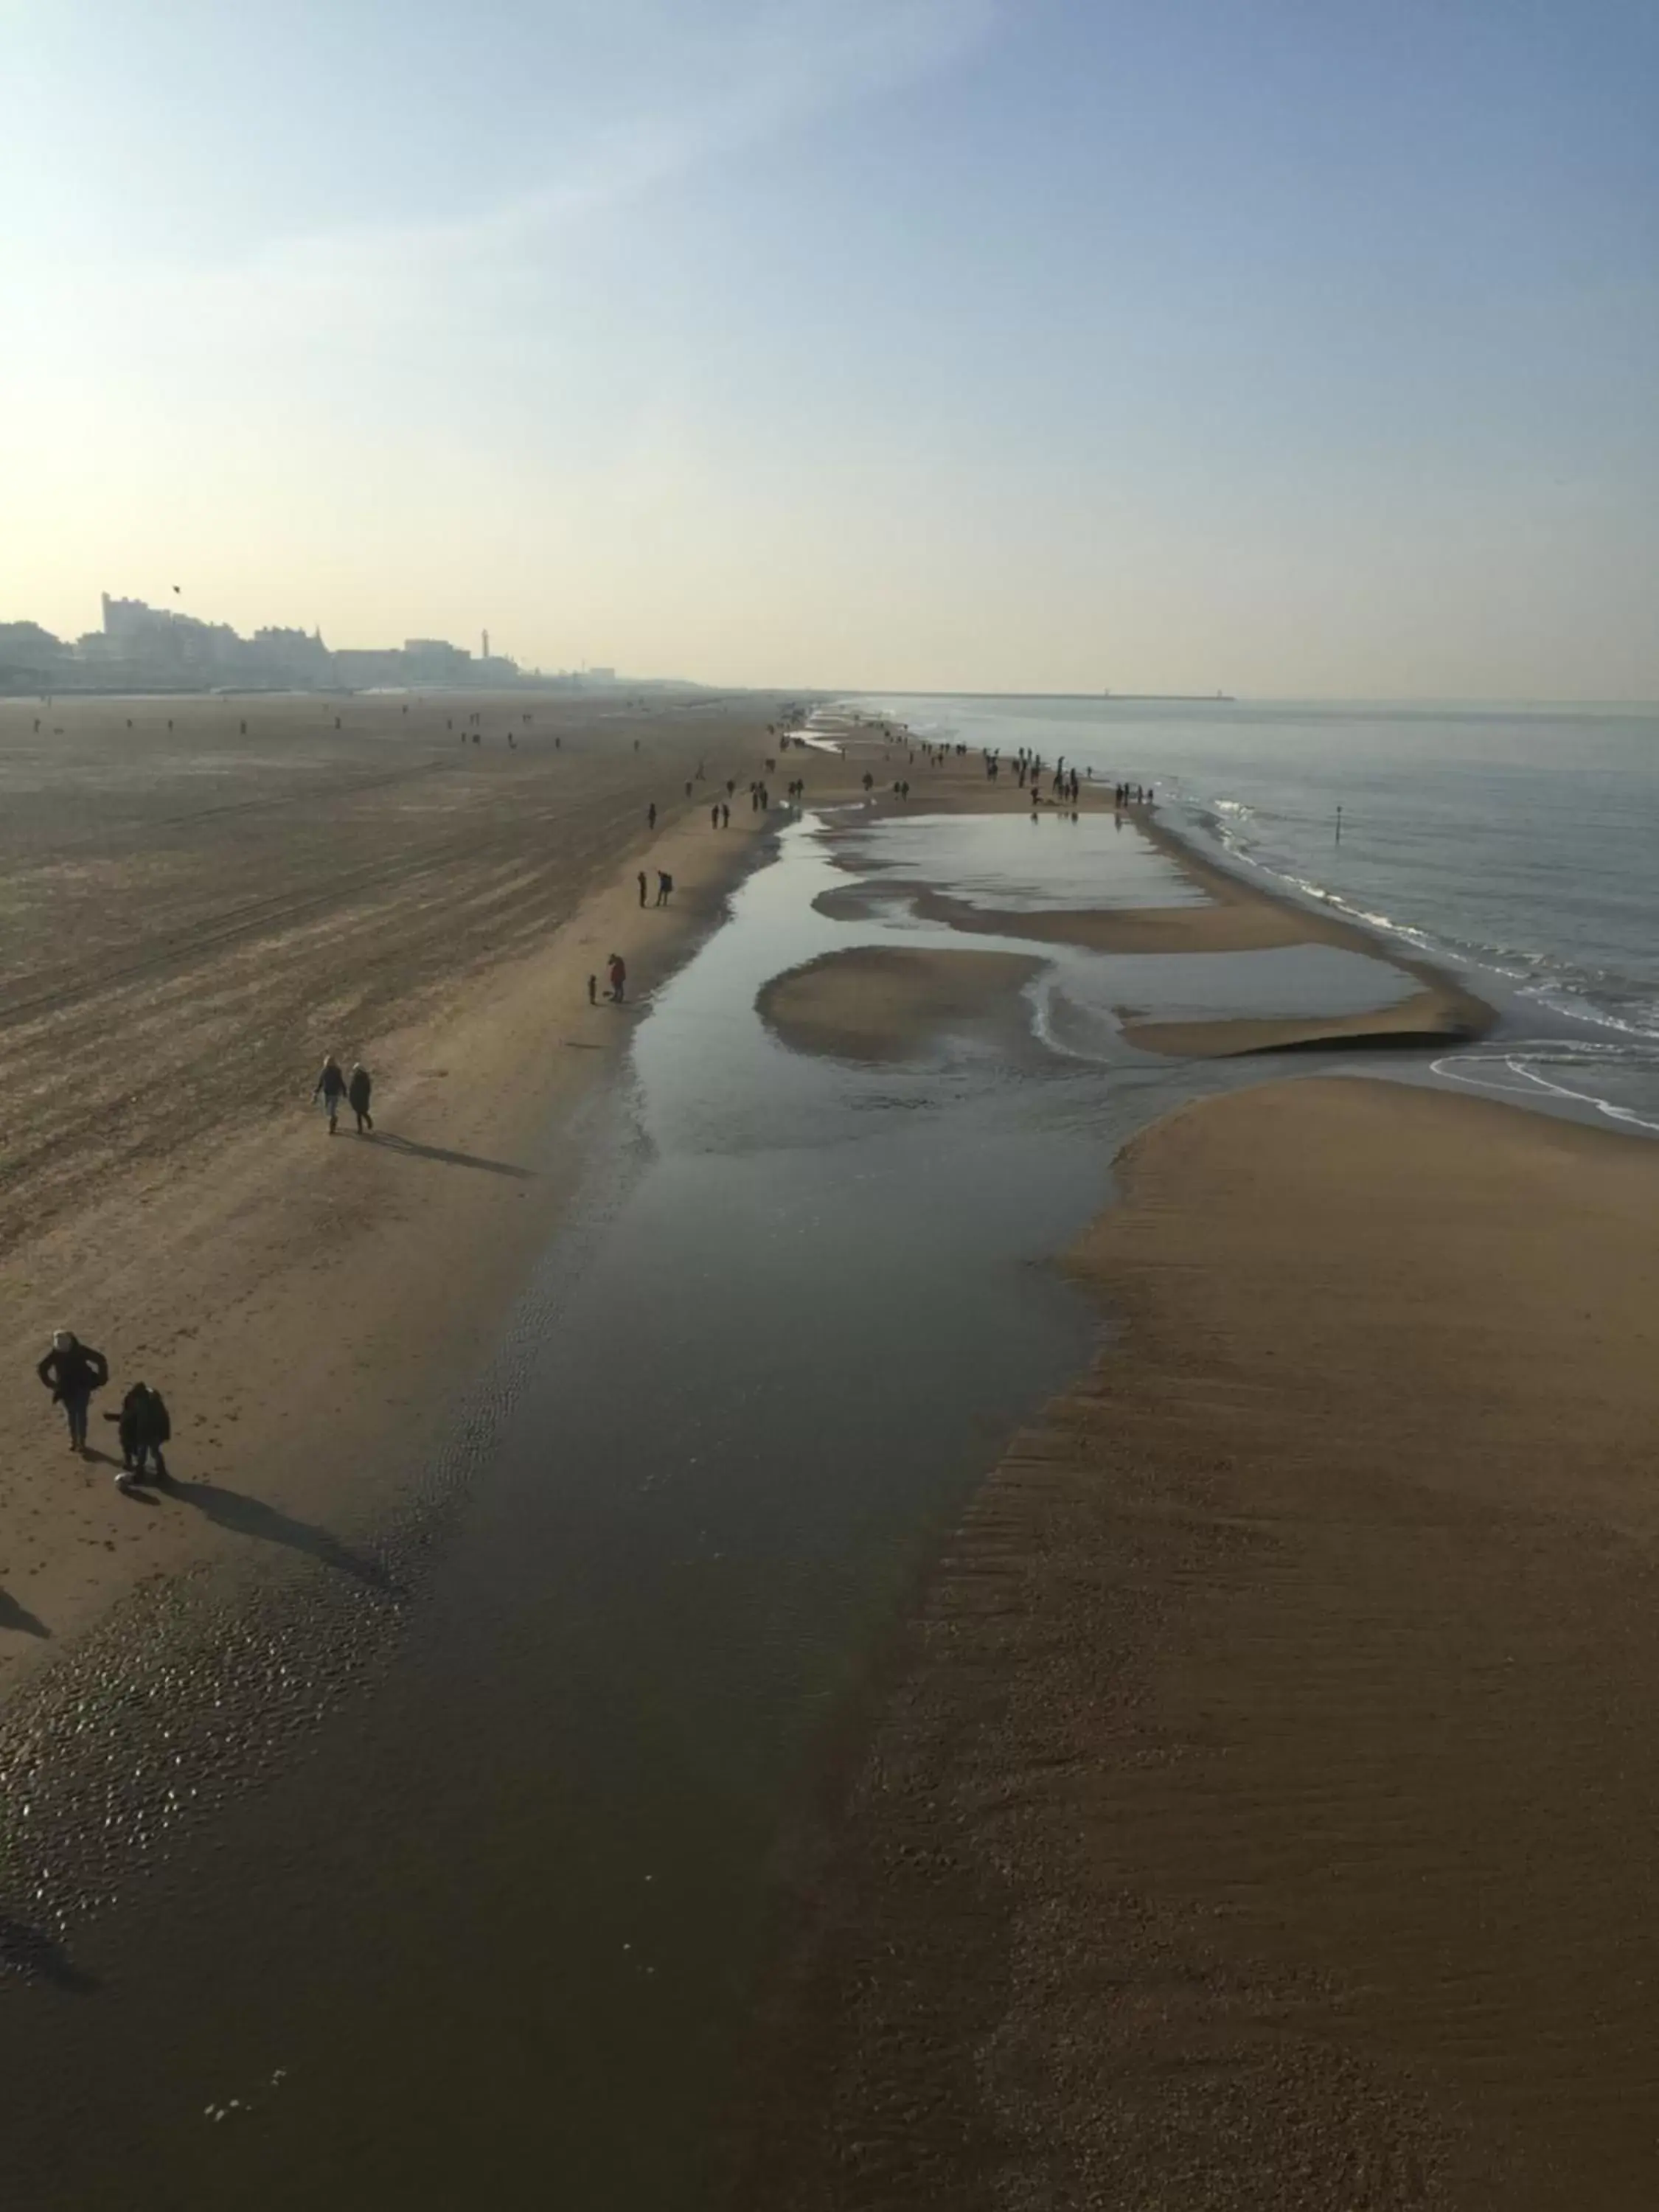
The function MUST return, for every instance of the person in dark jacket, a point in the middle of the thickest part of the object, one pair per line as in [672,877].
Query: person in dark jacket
[330,1089]
[145,1427]
[72,1370]
[358,1092]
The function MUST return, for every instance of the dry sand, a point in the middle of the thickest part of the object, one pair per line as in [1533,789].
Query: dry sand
[1262,1818]
[192,918]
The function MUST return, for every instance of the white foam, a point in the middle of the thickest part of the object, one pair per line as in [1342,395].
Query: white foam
[1517,1070]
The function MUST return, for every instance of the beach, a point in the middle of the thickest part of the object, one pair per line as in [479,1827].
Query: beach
[196,916]
[915,1579]
[1251,1825]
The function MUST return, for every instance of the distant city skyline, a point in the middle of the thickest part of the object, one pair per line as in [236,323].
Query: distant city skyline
[137,647]
[902,343]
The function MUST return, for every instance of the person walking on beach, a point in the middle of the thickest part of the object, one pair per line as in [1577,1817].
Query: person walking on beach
[651,815]
[665,886]
[330,1089]
[357,1095]
[145,1427]
[726,816]
[617,968]
[639,879]
[72,1370]
[715,815]
[593,990]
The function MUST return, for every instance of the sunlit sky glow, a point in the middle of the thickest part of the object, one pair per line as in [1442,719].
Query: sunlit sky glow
[1181,345]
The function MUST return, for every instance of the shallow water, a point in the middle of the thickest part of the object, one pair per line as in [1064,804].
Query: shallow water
[485,1930]
[1514,843]
[1021,862]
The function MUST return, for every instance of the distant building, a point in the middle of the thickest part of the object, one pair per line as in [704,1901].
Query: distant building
[369,670]
[434,661]
[144,648]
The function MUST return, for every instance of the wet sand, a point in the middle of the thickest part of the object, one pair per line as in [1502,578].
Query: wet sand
[1258,1819]
[876,1003]
[1237,917]
[194,917]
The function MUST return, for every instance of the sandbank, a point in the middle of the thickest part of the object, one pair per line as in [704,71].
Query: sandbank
[879,1003]
[1258,1820]
[1239,917]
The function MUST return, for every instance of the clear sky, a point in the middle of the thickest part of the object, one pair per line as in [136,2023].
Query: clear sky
[1282,346]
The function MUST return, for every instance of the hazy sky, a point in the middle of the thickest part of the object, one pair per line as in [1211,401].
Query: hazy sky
[1290,346]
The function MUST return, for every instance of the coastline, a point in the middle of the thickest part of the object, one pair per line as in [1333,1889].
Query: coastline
[992,1993]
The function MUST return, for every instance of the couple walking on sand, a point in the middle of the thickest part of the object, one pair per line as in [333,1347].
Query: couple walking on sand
[72,1372]
[332,1087]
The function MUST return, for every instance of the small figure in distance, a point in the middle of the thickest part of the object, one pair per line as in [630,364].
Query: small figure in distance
[639,879]
[357,1095]
[616,968]
[72,1370]
[145,1427]
[714,816]
[665,886]
[330,1089]
[651,815]
[593,990]
[688,790]
[726,816]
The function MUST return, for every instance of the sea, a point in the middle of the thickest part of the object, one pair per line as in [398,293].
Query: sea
[1515,845]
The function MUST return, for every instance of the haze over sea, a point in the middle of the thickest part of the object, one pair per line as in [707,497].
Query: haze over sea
[1517,844]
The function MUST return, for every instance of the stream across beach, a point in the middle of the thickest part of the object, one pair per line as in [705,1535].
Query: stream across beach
[560,1746]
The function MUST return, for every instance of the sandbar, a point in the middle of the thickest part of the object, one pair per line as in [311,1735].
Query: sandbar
[883,1003]
[1258,1818]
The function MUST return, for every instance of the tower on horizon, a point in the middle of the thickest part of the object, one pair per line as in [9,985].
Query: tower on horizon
[486,645]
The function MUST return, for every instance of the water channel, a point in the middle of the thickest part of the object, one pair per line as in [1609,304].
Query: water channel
[487,1932]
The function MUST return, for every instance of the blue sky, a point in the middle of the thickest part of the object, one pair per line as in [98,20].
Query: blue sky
[1295,348]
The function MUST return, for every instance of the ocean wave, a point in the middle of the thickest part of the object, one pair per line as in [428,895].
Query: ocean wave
[1535,1067]
[1548,981]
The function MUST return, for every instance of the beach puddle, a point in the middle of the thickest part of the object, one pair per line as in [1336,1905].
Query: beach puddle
[1078,1001]
[1017,862]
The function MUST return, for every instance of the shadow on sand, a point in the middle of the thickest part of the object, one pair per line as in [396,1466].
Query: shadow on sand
[13,1615]
[31,1952]
[451,1159]
[250,1516]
